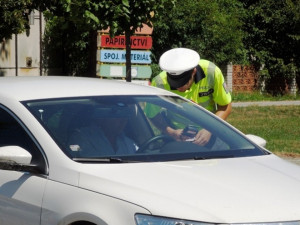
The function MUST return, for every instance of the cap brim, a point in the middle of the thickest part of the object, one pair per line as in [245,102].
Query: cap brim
[177,81]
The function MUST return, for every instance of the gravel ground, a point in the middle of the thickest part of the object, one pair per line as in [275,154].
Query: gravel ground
[265,103]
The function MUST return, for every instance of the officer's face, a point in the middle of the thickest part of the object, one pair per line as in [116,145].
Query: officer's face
[188,84]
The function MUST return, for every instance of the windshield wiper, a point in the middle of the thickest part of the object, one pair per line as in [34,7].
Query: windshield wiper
[102,160]
[213,157]
[199,158]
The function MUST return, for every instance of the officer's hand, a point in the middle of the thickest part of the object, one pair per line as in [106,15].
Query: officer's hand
[202,137]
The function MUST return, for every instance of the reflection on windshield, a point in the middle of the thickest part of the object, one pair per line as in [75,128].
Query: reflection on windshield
[136,128]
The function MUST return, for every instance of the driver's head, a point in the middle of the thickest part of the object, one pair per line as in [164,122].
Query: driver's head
[112,119]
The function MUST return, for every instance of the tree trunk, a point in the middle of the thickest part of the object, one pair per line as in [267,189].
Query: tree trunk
[92,61]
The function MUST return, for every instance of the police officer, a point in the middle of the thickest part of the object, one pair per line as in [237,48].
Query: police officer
[198,80]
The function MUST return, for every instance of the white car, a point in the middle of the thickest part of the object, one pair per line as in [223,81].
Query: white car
[83,151]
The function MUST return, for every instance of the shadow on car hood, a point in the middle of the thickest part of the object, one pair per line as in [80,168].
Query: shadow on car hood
[238,190]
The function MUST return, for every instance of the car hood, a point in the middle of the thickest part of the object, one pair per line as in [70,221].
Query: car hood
[236,190]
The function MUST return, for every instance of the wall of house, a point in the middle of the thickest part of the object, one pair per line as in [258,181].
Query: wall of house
[21,55]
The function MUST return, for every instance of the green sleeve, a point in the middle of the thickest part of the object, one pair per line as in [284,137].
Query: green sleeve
[221,94]
[151,110]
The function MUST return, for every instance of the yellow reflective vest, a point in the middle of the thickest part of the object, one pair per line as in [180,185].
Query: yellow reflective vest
[208,89]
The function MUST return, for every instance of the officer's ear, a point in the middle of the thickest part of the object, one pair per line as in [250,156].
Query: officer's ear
[194,72]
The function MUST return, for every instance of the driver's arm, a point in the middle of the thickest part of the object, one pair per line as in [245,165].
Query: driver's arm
[160,122]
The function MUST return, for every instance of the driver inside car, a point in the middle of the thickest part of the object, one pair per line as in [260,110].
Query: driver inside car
[105,136]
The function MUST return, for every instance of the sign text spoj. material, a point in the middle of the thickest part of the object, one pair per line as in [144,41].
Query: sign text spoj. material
[119,56]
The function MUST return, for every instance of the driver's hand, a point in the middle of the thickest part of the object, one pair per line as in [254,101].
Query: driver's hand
[176,134]
[202,137]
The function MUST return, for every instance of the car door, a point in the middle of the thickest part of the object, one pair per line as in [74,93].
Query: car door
[21,192]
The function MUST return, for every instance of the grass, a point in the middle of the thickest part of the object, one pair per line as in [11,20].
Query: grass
[278,125]
[257,96]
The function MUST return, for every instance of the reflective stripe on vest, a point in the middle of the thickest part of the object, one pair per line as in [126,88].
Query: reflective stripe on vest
[211,74]
[159,82]
[210,83]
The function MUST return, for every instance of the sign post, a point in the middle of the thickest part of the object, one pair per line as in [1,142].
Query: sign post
[111,54]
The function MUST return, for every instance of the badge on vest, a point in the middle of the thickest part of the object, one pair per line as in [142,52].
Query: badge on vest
[207,93]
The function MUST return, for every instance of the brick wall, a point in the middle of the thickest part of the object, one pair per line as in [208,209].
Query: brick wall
[244,78]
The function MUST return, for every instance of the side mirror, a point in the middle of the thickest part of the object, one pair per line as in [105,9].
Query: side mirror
[15,155]
[257,140]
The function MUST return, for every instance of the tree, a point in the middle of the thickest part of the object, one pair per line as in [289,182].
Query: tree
[272,41]
[13,17]
[213,28]
[83,17]
[121,16]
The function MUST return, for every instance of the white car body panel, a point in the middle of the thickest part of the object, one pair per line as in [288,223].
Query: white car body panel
[214,190]
[8,153]
[27,192]
[36,87]
[83,204]
[196,189]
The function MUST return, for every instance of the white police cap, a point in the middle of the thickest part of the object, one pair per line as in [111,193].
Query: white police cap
[179,60]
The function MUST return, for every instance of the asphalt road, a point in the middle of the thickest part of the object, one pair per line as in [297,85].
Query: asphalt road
[293,160]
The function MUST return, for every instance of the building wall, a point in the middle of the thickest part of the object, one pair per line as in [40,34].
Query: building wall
[21,56]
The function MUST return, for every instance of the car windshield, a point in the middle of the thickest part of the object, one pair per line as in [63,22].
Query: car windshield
[133,129]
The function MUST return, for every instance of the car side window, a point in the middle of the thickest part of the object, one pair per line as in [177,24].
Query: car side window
[13,134]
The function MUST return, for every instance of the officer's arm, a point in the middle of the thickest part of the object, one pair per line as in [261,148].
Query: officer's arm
[223,111]
[221,96]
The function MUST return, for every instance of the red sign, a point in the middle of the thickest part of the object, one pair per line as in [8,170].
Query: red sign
[137,42]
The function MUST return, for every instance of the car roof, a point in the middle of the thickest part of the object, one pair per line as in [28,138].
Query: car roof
[41,87]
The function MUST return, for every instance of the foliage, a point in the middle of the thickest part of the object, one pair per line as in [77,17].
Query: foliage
[210,27]
[76,18]
[75,23]
[66,46]
[118,15]
[264,32]
[155,70]
[13,17]
[272,41]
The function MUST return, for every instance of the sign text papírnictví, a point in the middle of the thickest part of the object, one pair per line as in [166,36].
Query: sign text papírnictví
[136,42]
[119,56]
